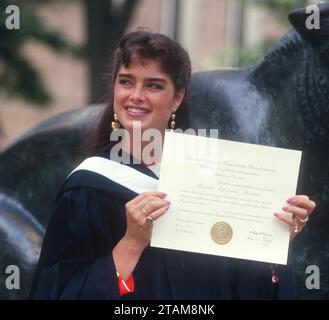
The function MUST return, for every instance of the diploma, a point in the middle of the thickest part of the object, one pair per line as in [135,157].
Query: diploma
[223,195]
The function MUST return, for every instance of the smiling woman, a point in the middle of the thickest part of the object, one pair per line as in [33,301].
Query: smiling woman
[144,93]
[149,80]
[104,212]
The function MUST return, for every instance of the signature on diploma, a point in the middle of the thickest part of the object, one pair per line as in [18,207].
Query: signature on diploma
[264,238]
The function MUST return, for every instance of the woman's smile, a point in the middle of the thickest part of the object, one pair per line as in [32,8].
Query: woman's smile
[137,112]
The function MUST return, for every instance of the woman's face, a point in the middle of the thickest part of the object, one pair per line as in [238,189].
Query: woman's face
[144,93]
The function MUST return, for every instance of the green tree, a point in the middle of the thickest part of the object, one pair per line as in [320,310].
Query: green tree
[18,77]
[106,22]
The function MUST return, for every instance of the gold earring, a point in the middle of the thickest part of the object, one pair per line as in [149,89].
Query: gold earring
[173,122]
[115,123]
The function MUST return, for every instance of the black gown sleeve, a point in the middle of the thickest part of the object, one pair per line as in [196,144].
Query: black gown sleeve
[76,258]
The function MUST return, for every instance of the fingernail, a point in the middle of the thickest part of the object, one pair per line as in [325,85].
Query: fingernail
[164,194]
[167,207]
[168,203]
[292,201]
[276,214]
[284,208]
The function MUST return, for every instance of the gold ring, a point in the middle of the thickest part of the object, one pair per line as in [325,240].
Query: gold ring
[303,220]
[149,220]
[144,211]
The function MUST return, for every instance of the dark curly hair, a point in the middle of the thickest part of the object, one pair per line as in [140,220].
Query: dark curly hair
[145,45]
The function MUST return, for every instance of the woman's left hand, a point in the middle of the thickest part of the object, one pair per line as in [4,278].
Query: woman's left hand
[301,207]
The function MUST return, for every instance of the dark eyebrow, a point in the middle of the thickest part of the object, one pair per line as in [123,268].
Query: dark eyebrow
[157,80]
[127,75]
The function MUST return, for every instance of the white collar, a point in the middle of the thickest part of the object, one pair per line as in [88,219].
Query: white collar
[119,173]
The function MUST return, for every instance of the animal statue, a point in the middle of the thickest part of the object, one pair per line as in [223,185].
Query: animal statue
[282,101]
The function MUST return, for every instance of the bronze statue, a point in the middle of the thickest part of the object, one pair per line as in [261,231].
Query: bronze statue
[282,101]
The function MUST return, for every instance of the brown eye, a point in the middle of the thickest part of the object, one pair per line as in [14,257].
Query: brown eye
[124,82]
[155,86]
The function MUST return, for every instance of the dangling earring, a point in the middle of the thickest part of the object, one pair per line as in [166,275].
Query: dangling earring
[173,122]
[115,123]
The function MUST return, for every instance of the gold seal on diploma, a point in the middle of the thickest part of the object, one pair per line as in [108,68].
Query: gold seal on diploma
[221,232]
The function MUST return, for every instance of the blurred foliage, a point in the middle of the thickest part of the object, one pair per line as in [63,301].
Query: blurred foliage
[279,9]
[18,77]
[248,56]
[245,56]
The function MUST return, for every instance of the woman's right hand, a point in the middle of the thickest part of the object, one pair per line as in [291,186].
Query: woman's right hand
[147,204]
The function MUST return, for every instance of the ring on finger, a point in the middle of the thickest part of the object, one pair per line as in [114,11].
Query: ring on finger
[149,220]
[296,229]
[303,220]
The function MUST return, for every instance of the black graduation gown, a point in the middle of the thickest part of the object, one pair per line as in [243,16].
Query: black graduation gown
[87,222]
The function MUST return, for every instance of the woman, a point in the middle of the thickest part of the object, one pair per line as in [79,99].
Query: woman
[97,241]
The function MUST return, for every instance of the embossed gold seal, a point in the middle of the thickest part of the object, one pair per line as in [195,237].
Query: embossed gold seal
[221,232]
